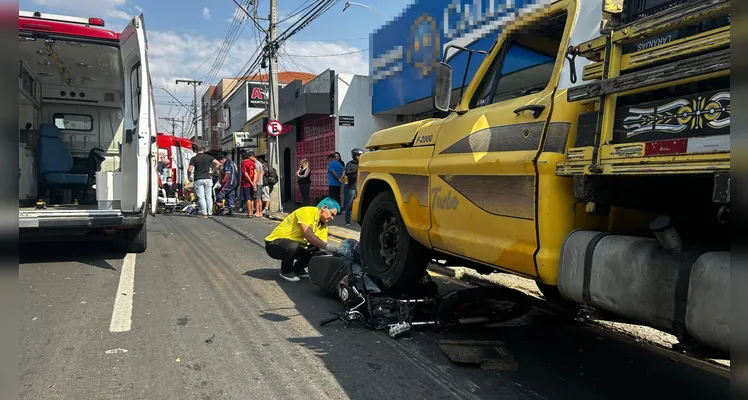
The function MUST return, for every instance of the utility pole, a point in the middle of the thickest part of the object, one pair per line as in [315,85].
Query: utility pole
[274,151]
[194,84]
[174,125]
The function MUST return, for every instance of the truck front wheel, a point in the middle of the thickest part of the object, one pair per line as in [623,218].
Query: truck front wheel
[136,239]
[387,250]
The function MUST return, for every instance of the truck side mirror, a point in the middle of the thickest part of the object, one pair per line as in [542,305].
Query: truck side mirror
[443,87]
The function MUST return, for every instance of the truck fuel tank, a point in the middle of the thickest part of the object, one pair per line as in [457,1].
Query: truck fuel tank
[686,293]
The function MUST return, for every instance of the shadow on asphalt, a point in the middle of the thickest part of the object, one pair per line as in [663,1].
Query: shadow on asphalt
[265,274]
[558,359]
[95,253]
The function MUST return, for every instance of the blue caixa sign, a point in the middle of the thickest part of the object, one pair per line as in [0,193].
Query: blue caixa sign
[404,52]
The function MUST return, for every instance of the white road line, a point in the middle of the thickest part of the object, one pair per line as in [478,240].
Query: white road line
[122,313]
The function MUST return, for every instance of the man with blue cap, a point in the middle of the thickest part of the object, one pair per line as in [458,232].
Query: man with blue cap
[301,235]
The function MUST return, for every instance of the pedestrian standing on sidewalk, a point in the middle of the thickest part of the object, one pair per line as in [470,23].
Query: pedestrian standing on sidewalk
[228,182]
[259,188]
[269,179]
[199,170]
[240,194]
[305,181]
[301,235]
[334,177]
[249,187]
[351,172]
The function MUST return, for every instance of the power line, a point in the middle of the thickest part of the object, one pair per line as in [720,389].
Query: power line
[321,8]
[297,64]
[329,55]
[249,15]
[228,42]
[256,59]
[242,77]
[307,17]
[296,12]
[204,61]
[331,40]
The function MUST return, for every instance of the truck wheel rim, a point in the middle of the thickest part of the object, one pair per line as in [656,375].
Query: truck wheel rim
[388,240]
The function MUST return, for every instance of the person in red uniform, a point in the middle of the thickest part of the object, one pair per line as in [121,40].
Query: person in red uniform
[249,184]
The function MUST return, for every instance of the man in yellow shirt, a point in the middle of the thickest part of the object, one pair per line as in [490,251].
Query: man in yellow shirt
[295,240]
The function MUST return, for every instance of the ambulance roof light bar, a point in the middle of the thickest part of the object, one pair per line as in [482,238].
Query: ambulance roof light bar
[62,18]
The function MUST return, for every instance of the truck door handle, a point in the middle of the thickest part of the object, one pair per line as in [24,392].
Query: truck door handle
[536,109]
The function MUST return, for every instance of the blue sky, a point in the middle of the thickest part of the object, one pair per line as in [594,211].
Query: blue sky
[185,34]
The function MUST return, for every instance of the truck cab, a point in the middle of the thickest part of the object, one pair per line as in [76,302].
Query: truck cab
[88,154]
[488,186]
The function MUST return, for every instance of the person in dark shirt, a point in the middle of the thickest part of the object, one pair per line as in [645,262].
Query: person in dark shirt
[334,177]
[228,182]
[200,172]
[351,172]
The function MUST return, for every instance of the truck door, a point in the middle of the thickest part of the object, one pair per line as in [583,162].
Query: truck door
[139,147]
[483,176]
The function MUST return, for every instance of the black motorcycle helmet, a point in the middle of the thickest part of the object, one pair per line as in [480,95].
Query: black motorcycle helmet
[356,152]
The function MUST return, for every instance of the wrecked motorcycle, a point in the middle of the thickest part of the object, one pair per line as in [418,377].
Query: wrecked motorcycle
[343,278]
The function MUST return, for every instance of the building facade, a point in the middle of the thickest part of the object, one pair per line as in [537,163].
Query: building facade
[208,118]
[249,100]
[218,122]
[330,113]
[405,51]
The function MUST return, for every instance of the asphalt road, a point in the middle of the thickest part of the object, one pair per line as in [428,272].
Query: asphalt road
[209,319]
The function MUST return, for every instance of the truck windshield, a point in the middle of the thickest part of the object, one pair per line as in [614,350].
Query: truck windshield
[526,64]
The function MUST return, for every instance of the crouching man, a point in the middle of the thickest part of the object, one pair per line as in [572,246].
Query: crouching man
[300,236]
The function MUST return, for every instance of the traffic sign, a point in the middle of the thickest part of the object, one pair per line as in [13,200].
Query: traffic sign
[274,128]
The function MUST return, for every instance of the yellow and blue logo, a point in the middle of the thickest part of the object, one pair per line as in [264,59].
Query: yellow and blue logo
[424,45]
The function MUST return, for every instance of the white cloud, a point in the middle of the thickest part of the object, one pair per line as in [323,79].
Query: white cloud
[238,14]
[139,8]
[206,13]
[91,8]
[189,56]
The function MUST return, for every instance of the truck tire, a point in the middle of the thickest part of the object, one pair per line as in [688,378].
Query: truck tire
[387,250]
[136,239]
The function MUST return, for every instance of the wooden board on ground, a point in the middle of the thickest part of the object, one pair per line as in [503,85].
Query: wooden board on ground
[490,355]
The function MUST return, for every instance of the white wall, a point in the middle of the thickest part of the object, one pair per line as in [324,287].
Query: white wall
[353,98]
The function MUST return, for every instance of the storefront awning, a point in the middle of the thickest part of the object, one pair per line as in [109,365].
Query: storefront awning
[306,104]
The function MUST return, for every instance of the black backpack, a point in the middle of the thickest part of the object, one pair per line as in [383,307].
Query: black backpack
[271,175]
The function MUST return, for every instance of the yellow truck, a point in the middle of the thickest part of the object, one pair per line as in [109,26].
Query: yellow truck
[590,152]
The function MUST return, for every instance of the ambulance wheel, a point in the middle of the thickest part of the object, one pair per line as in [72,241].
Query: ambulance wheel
[136,239]
[387,250]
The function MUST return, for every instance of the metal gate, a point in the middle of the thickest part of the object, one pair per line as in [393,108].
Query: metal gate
[316,144]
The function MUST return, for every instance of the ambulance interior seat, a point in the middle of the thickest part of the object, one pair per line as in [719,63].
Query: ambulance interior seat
[56,161]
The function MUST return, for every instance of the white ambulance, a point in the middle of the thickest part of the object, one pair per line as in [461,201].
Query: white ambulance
[88,154]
